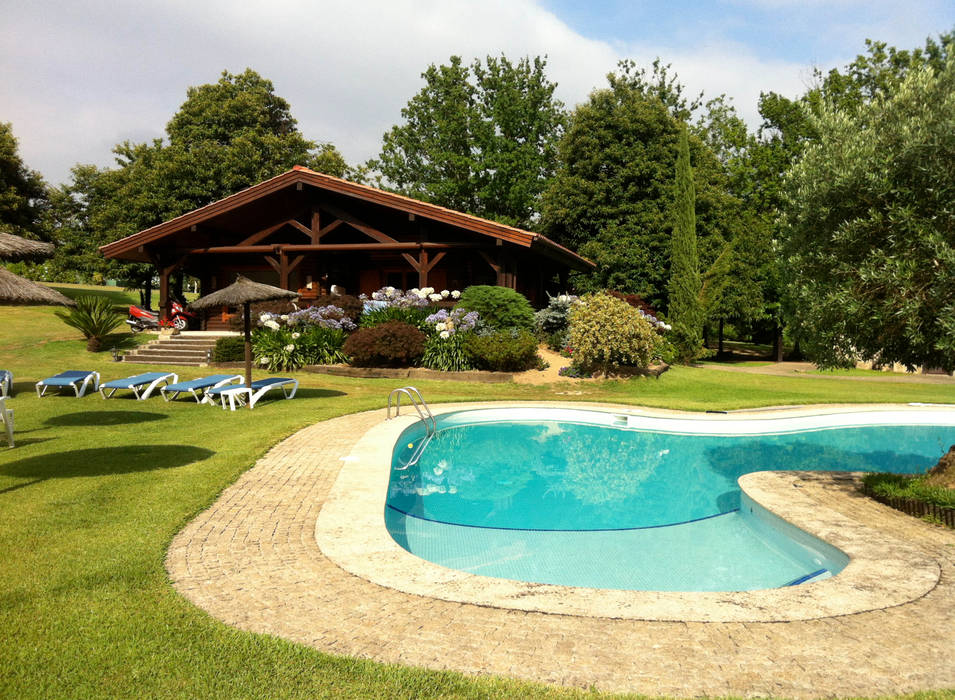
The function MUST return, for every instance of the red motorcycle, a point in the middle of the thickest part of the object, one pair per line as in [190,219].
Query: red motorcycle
[141,319]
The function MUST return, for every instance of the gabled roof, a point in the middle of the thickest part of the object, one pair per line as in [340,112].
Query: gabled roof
[300,174]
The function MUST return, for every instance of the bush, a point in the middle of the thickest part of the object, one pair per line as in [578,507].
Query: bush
[282,307]
[447,354]
[499,307]
[391,344]
[287,349]
[229,349]
[352,306]
[94,317]
[510,350]
[329,316]
[553,321]
[410,315]
[607,333]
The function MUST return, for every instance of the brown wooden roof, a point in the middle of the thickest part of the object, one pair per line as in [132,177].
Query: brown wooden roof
[129,247]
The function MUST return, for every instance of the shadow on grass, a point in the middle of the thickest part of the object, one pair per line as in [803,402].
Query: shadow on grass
[103,418]
[308,393]
[102,461]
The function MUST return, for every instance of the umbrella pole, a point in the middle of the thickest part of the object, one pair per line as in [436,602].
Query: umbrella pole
[246,322]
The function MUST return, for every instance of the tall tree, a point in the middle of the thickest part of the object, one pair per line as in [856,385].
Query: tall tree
[685,313]
[225,137]
[23,195]
[870,226]
[480,139]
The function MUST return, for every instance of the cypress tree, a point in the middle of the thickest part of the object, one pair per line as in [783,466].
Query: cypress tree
[685,314]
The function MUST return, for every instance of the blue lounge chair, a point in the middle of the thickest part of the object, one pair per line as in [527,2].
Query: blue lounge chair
[79,381]
[150,380]
[251,394]
[201,384]
[6,383]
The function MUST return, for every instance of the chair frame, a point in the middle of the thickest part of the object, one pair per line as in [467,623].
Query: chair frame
[229,379]
[249,396]
[79,385]
[116,384]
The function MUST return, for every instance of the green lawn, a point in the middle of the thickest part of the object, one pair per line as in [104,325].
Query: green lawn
[95,490]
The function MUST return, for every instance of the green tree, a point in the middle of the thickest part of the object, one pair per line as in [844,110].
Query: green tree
[23,195]
[480,139]
[225,137]
[870,227]
[685,312]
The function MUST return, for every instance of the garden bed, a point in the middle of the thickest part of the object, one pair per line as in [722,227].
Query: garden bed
[409,373]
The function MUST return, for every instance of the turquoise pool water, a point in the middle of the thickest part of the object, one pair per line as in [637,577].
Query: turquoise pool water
[607,501]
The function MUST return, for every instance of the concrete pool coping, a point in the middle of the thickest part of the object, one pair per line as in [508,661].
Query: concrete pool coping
[883,571]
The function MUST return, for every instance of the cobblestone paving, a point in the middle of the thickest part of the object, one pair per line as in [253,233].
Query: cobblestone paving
[251,560]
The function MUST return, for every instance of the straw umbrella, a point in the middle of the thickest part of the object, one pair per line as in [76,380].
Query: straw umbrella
[14,248]
[16,290]
[243,292]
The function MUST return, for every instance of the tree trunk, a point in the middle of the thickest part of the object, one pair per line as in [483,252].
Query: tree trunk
[94,344]
[778,344]
[719,348]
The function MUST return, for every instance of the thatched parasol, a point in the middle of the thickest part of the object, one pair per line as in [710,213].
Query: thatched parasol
[16,290]
[243,292]
[14,248]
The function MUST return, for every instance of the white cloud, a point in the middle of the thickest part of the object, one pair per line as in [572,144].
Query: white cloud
[83,78]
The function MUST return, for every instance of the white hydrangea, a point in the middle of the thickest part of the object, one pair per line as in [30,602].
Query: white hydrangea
[289,347]
[445,334]
[435,297]
[284,317]
[427,290]
[272,324]
[441,326]
[296,336]
[389,291]
[455,294]
[264,317]
[445,293]
[263,360]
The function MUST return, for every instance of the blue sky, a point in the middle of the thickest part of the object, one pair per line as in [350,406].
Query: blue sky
[94,73]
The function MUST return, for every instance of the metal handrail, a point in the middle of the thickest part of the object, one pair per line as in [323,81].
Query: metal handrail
[414,396]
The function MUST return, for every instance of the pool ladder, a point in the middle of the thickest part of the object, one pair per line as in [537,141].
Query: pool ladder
[424,413]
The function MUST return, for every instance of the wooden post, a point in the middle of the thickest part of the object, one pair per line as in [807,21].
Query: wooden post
[164,293]
[247,329]
[283,270]
[423,268]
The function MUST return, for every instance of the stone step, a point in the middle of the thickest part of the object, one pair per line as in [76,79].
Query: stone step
[141,361]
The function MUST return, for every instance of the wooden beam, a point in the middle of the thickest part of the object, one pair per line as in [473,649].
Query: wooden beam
[328,228]
[332,247]
[276,265]
[264,233]
[423,269]
[360,225]
[316,225]
[295,263]
[301,227]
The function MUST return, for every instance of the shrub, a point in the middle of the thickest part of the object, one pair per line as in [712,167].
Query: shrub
[94,317]
[391,344]
[230,348]
[637,302]
[607,333]
[509,350]
[499,307]
[276,308]
[287,349]
[411,315]
[352,306]
[329,316]
[553,321]
[446,353]
[457,321]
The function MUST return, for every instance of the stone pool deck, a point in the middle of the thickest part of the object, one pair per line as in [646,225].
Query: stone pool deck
[252,561]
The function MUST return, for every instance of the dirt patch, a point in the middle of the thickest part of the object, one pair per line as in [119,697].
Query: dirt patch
[943,473]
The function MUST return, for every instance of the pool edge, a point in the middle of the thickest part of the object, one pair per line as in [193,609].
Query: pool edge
[883,572]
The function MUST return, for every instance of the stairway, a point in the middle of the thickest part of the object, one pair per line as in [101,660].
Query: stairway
[188,349]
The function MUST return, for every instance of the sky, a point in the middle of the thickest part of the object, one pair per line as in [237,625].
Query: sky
[78,77]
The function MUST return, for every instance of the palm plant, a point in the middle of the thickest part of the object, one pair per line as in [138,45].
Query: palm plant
[94,317]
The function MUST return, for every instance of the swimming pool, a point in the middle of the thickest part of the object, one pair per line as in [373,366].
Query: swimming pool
[604,500]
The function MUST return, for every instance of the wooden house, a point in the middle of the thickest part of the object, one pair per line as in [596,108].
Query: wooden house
[306,231]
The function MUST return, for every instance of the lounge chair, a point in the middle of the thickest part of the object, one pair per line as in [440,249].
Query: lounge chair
[6,417]
[251,394]
[79,381]
[6,383]
[150,380]
[201,384]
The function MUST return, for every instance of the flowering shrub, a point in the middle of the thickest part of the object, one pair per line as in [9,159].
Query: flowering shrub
[391,344]
[552,322]
[645,310]
[325,316]
[572,372]
[425,296]
[607,333]
[352,306]
[458,321]
[412,307]
[447,353]
[287,349]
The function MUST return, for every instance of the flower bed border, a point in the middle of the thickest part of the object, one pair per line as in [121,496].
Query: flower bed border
[410,373]
[915,507]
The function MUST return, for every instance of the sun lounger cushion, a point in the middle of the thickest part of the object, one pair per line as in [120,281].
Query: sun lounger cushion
[78,380]
[196,385]
[150,380]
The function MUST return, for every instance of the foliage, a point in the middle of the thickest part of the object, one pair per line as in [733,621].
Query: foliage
[413,316]
[446,351]
[459,320]
[225,137]
[607,333]
[352,306]
[684,287]
[290,347]
[499,307]
[553,318]
[94,317]
[507,350]
[479,139]
[23,194]
[329,316]
[870,228]
[908,486]
[277,308]
[573,373]
[390,344]
[229,348]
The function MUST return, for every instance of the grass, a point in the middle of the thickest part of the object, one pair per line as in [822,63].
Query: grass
[905,486]
[95,490]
